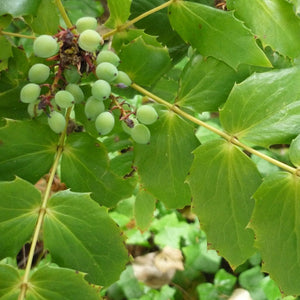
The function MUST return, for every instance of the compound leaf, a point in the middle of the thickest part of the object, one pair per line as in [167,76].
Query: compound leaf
[216,33]
[19,207]
[27,149]
[222,180]
[265,108]
[80,235]
[276,223]
[163,164]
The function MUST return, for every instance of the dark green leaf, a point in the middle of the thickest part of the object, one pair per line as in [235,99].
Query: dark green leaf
[205,84]
[85,168]
[80,235]
[119,12]
[27,149]
[163,164]
[9,281]
[5,21]
[273,22]
[54,283]
[19,208]
[222,200]
[5,45]
[265,108]
[276,224]
[19,7]
[144,63]
[216,33]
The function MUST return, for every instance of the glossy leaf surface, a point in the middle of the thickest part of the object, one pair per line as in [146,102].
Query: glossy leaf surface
[222,180]
[265,108]
[216,33]
[91,241]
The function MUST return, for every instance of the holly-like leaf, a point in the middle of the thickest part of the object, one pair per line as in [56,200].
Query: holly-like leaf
[222,180]
[80,235]
[265,108]
[216,33]
[205,84]
[85,168]
[19,207]
[273,22]
[144,207]
[119,12]
[27,149]
[276,223]
[9,281]
[144,63]
[163,164]
[18,8]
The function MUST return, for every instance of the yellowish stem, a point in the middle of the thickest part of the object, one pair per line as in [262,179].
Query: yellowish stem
[17,34]
[64,15]
[226,136]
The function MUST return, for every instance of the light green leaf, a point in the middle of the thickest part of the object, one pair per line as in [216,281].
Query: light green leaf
[9,281]
[296,4]
[222,180]
[119,12]
[205,84]
[144,63]
[143,209]
[85,168]
[276,223]
[216,33]
[265,108]
[273,22]
[46,20]
[54,283]
[294,151]
[163,164]
[27,149]
[80,235]
[19,7]
[19,208]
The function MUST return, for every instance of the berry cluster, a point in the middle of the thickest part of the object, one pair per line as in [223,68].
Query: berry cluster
[75,55]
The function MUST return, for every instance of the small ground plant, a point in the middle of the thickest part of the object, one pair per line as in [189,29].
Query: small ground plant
[182,103]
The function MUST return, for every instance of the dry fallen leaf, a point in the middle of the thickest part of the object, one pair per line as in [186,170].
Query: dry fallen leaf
[156,269]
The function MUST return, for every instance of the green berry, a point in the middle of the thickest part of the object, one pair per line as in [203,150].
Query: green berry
[101,89]
[30,93]
[140,134]
[76,91]
[64,99]
[56,122]
[123,78]
[33,109]
[107,71]
[85,23]
[93,107]
[105,122]
[38,73]
[89,40]
[45,46]
[146,114]
[108,56]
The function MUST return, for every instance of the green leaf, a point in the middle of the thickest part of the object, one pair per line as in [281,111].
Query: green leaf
[273,22]
[9,281]
[216,33]
[19,207]
[18,8]
[54,283]
[5,45]
[119,12]
[222,200]
[259,110]
[85,168]
[143,209]
[46,20]
[296,4]
[276,224]
[27,149]
[80,235]
[294,151]
[205,84]
[163,164]
[207,291]
[224,282]
[144,63]
[5,21]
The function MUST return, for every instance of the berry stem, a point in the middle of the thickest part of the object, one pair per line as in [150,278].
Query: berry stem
[138,18]
[17,34]
[43,209]
[224,135]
